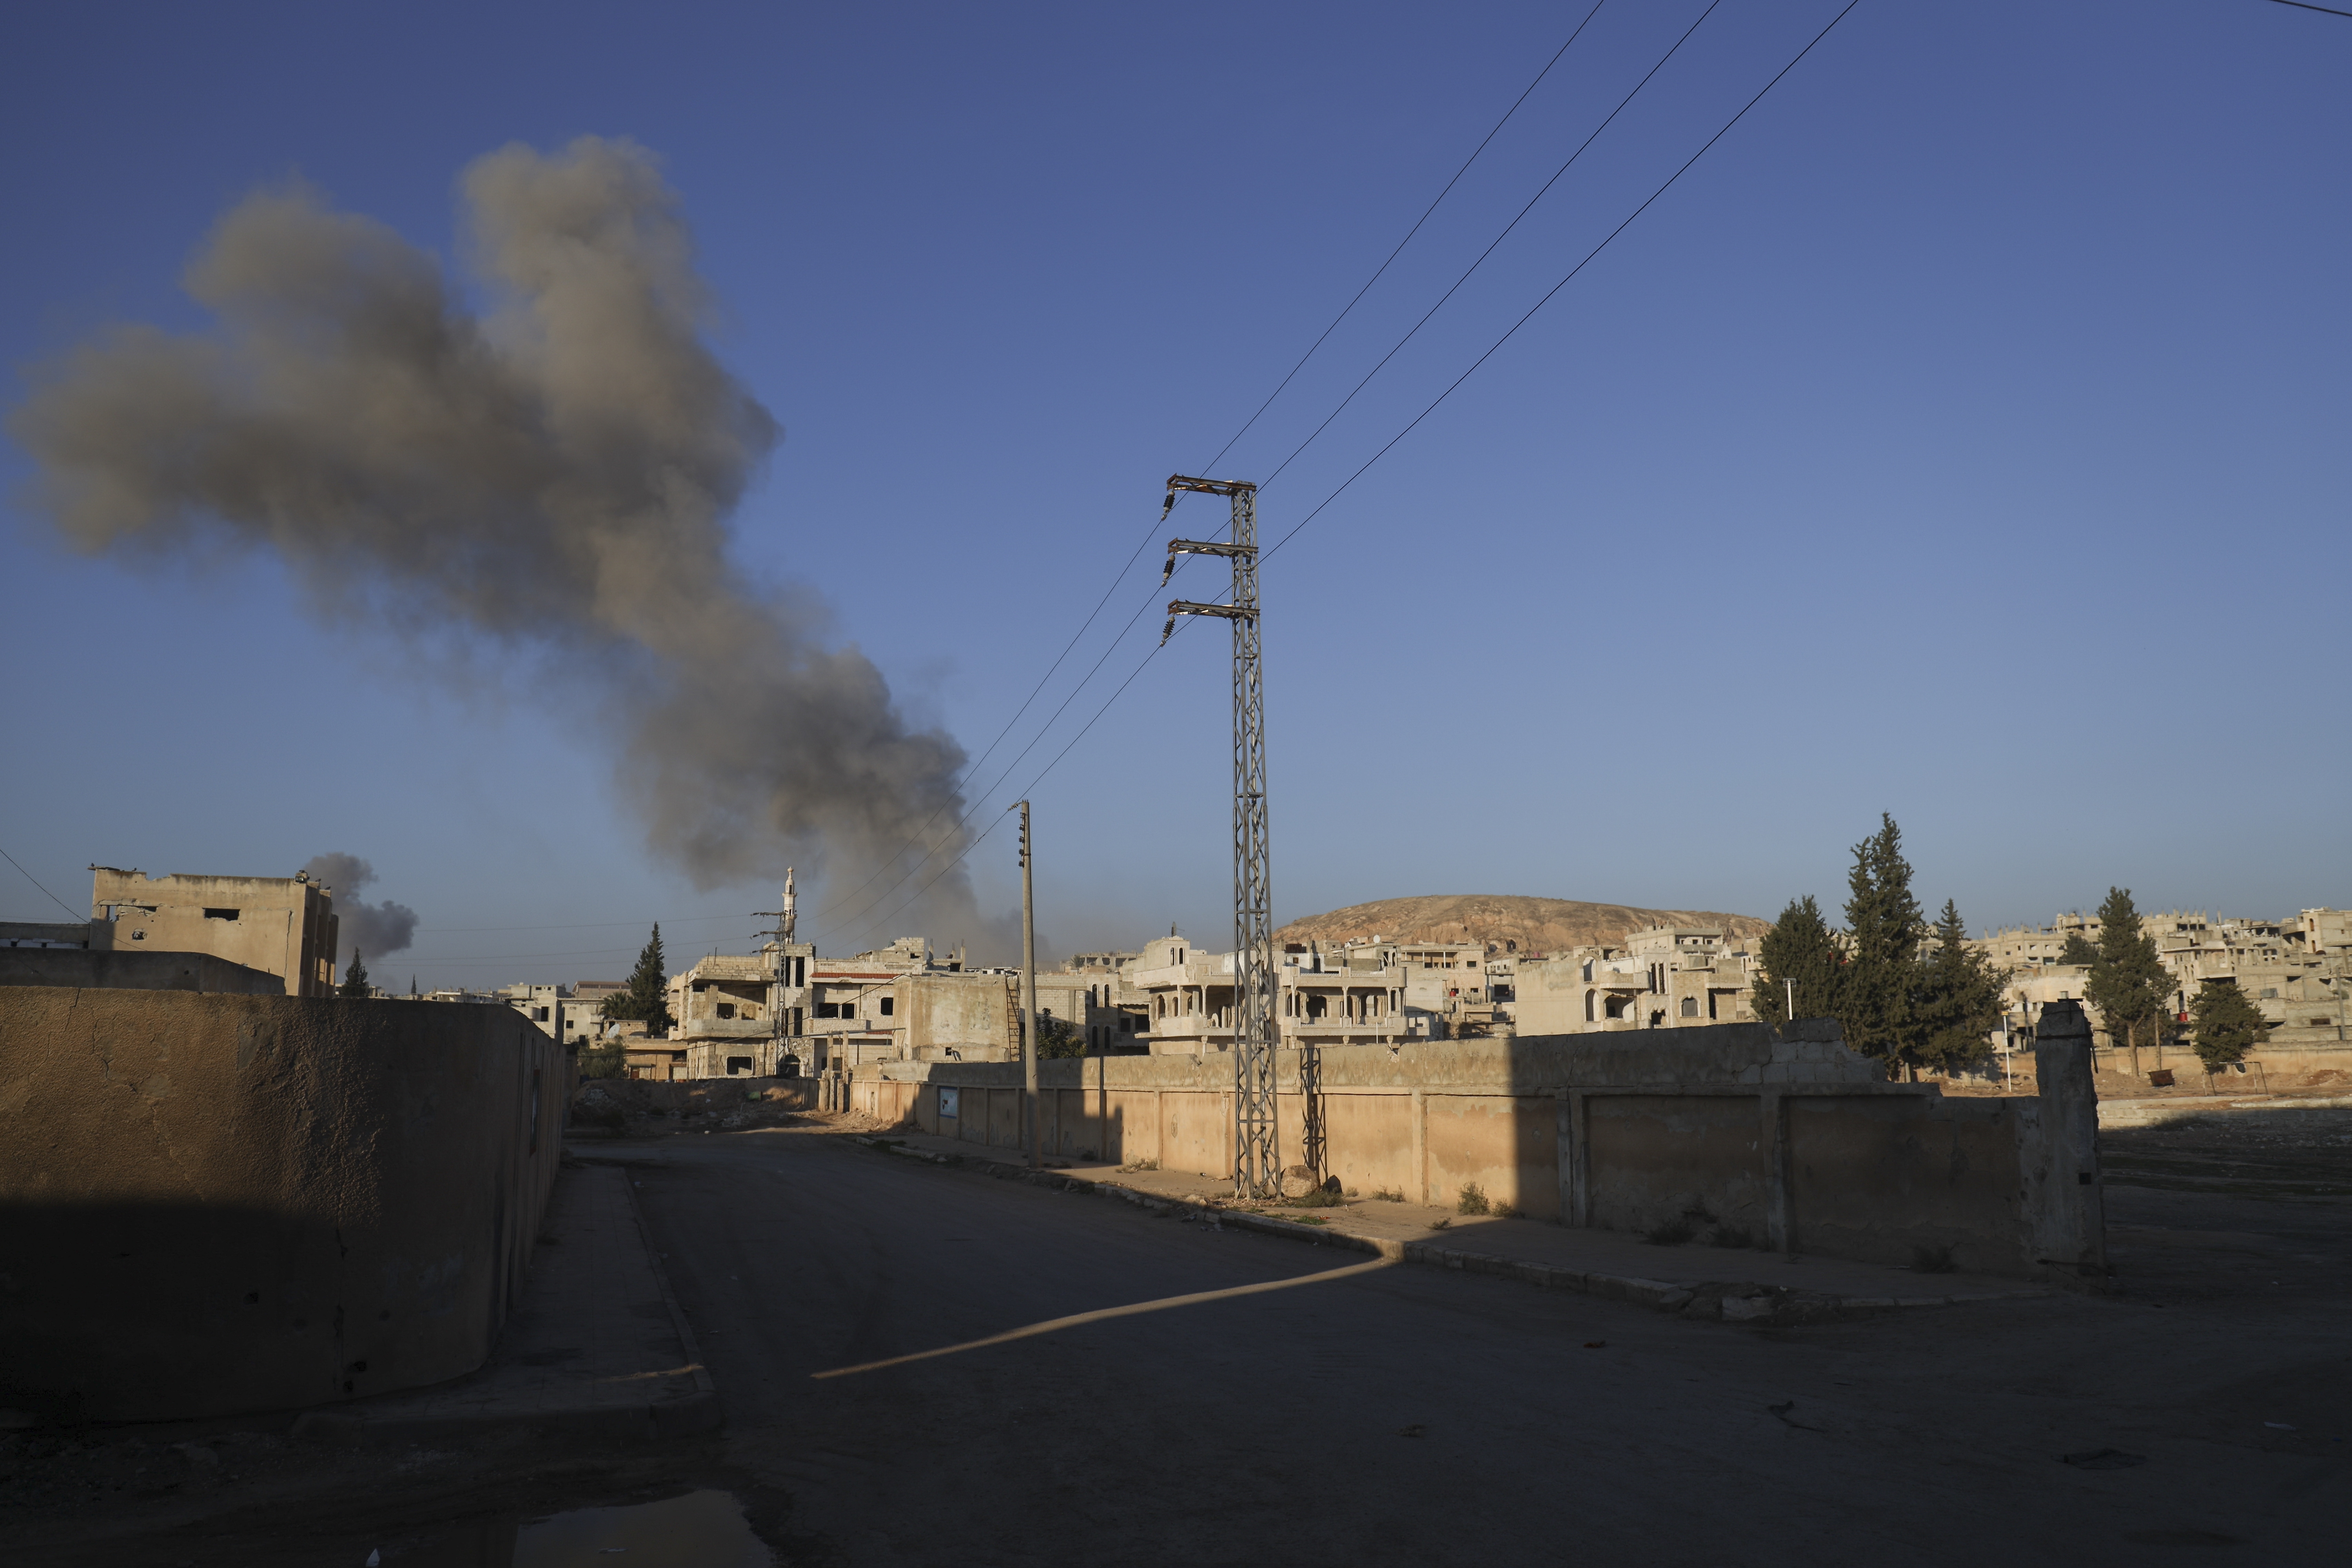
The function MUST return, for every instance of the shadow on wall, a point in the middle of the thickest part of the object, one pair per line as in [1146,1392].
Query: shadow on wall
[1736,1135]
[245,1203]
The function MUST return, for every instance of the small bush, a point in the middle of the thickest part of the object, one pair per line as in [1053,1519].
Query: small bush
[1673,1233]
[1141,1165]
[1697,1214]
[1509,1211]
[1731,1236]
[1387,1196]
[1932,1260]
[1473,1200]
[1321,1198]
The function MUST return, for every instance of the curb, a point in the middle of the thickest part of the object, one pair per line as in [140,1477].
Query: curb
[1719,1301]
[354,1426]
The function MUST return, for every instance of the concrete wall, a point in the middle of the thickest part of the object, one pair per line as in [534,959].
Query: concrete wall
[79,967]
[1791,1138]
[214,1203]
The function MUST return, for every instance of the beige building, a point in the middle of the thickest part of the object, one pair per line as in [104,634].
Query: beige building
[1667,977]
[2298,971]
[1325,998]
[282,925]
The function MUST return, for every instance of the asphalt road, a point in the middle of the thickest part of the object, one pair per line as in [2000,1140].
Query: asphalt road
[1408,1415]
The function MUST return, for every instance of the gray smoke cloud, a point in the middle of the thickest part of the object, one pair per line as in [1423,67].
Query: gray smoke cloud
[551,476]
[370,929]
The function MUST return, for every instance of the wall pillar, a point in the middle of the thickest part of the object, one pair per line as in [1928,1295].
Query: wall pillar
[1577,1179]
[1779,1227]
[2068,1211]
[1420,1147]
[1564,1152]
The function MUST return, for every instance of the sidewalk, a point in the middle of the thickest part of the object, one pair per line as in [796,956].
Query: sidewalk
[597,1347]
[1695,1280]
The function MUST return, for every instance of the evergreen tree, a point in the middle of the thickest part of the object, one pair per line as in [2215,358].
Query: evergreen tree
[355,979]
[2078,951]
[1802,948]
[2223,1022]
[1958,1003]
[1883,938]
[1059,1038]
[608,1059]
[2129,984]
[647,997]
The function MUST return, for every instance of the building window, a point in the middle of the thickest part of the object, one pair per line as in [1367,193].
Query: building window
[220,914]
[542,1014]
[890,1005]
[1690,1007]
[725,1010]
[738,1065]
[828,1010]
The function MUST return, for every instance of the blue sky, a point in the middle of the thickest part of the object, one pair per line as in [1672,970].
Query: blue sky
[1964,437]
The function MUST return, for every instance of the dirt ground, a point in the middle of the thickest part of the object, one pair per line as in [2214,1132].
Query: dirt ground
[1452,1418]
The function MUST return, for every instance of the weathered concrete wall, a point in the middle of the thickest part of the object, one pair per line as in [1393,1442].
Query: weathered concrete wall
[91,968]
[214,1203]
[1700,1159]
[1792,1141]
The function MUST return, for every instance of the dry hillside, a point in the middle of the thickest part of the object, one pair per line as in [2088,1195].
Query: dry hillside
[1537,925]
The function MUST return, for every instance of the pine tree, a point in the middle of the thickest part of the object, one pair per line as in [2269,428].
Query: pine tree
[2129,984]
[1883,934]
[2223,1023]
[1958,1003]
[647,997]
[355,979]
[1802,948]
[2078,951]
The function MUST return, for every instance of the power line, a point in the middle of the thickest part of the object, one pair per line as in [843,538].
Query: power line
[2302,5]
[1400,243]
[982,797]
[1564,282]
[835,901]
[1498,239]
[68,909]
[970,773]
[1049,767]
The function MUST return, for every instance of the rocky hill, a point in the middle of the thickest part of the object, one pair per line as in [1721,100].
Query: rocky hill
[1535,925]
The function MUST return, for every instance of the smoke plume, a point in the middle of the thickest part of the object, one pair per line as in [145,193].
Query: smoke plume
[370,929]
[551,476]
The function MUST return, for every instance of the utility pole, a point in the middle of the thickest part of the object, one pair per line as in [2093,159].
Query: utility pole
[1028,996]
[1257,1169]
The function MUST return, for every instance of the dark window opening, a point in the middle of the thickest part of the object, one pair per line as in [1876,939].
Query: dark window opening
[890,1005]
[727,1010]
[738,1065]
[828,1009]
[220,914]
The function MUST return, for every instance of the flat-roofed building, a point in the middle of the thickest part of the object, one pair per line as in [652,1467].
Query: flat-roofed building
[284,926]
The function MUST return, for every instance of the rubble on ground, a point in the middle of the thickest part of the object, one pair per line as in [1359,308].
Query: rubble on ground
[639,1107]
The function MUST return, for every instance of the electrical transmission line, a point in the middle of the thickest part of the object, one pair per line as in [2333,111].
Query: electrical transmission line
[834,901]
[1498,239]
[1564,282]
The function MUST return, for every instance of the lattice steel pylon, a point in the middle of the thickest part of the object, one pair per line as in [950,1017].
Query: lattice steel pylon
[1257,1165]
